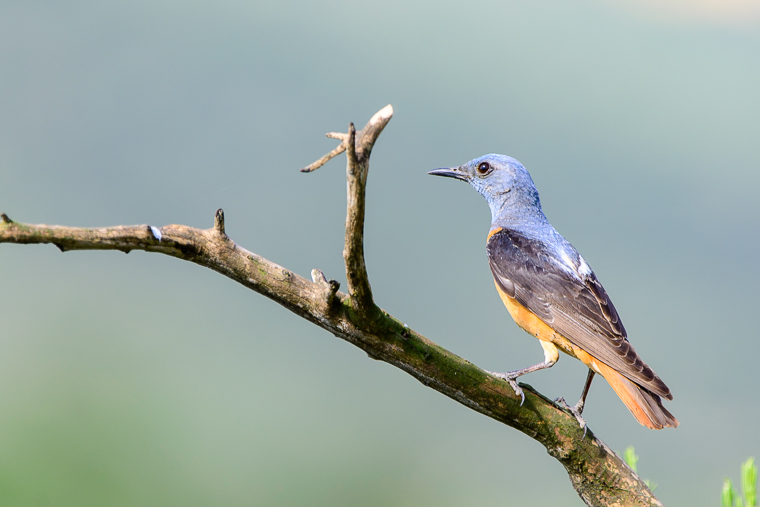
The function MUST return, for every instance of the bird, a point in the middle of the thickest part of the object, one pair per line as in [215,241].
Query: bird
[552,293]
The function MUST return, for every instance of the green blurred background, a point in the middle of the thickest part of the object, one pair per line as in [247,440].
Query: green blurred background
[143,380]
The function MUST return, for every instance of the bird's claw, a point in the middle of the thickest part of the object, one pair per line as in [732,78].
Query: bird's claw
[517,389]
[576,411]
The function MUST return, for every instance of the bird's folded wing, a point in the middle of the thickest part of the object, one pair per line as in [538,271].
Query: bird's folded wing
[578,308]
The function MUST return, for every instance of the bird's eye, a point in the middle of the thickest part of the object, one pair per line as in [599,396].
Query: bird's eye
[484,167]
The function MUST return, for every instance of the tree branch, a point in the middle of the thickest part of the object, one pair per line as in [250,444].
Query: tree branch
[599,476]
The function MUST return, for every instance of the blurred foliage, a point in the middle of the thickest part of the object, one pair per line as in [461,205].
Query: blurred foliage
[748,497]
[630,457]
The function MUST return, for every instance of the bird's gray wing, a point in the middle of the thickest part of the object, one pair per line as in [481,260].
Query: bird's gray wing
[577,308]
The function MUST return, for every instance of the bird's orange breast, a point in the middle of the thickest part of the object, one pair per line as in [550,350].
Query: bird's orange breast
[528,321]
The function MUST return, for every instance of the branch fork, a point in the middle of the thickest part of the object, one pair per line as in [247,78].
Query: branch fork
[358,147]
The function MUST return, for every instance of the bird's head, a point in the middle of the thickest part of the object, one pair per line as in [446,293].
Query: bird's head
[503,181]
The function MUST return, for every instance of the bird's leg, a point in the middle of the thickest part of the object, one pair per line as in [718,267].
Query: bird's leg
[551,356]
[577,410]
[582,402]
[510,376]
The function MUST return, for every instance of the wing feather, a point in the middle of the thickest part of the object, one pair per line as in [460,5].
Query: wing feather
[576,306]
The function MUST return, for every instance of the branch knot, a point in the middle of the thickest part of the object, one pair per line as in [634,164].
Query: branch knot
[329,288]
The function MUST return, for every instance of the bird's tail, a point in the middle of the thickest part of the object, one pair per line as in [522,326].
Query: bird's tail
[645,406]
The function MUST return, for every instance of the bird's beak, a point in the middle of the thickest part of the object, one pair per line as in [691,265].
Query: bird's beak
[451,172]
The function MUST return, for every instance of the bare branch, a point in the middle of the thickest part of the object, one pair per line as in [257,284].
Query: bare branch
[358,148]
[353,251]
[322,161]
[206,247]
[371,131]
[599,476]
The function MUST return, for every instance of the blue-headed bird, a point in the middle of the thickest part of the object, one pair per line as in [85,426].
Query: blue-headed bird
[553,294]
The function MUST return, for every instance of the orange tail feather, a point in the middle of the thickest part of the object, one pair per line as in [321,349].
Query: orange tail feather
[645,406]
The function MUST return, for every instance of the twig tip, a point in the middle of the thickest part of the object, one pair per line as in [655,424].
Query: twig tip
[4,218]
[330,287]
[219,221]
[322,161]
[318,277]
[384,114]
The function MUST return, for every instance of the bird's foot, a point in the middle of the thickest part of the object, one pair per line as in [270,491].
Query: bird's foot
[576,411]
[512,382]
